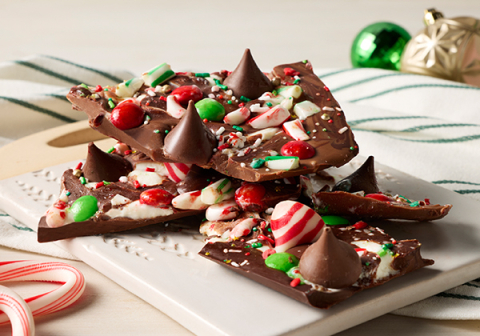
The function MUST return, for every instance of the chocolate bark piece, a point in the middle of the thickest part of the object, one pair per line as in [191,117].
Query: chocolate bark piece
[330,135]
[342,203]
[404,257]
[190,141]
[101,166]
[102,223]
[330,262]
[363,179]
[247,79]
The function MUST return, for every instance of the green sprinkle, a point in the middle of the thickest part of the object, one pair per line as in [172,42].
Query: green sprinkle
[324,130]
[229,102]
[244,99]
[304,61]
[308,132]
[274,92]
[352,148]
[147,117]
[202,74]
[156,131]
[105,182]
[415,204]
[68,193]
[279,157]
[83,180]
[166,131]
[111,150]
[111,103]
[254,229]
[257,163]
[269,104]
[387,246]
[238,128]
[296,81]
[84,86]
[81,94]
[406,199]
[220,85]
[106,89]
[208,180]
[381,253]
[367,264]
[204,220]
[269,229]
[247,246]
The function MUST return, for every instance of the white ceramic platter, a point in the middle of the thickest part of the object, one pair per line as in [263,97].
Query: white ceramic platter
[163,268]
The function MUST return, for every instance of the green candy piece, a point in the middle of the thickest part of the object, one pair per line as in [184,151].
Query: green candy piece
[210,109]
[335,220]
[84,208]
[281,261]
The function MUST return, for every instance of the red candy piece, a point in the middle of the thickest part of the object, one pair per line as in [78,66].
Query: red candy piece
[156,197]
[360,225]
[127,115]
[290,72]
[186,93]
[249,197]
[378,197]
[298,148]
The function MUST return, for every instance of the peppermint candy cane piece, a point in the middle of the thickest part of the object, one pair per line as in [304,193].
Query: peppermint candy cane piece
[189,201]
[129,87]
[17,310]
[295,130]
[305,109]
[72,280]
[293,91]
[177,171]
[174,108]
[158,75]
[243,228]
[222,211]
[218,191]
[282,162]
[237,117]
[294,224]
[274,117]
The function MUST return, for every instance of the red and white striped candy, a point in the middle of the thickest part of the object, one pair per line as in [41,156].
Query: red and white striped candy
[189,201]
[17,310]
[237,117]
[294,224]
[243,228]
[73,284]
[295,130]
[177,171]
[222,211]
[276,116]
[174,108]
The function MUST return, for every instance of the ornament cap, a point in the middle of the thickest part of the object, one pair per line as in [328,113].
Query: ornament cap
[431,15]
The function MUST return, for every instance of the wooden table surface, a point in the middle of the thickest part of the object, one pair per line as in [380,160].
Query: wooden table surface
[194,36]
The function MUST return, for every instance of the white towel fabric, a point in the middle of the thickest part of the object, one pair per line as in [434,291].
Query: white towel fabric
[394,116]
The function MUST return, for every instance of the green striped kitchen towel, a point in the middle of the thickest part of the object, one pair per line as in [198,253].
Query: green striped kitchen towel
[426,127]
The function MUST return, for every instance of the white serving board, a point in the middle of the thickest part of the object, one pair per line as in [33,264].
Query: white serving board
[165,270]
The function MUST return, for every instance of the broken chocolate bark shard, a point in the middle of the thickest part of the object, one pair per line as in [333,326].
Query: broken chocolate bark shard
[330,262]
[363,179]
[342,203]
[404,257]
[190,141]
[247,79]
[101,166]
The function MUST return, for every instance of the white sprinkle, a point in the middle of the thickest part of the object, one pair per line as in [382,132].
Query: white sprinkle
[229,92]
[342,130]
[272,153]
[267,169]
[215,150]
[257,143]
[296,77]
[236,251]
[233,98]
[233,263]
[251,241]
[242,164]
[269,211]
[123,179]
[284,138]
[328,108]
[370,234]
[314,131]
[225,250]
[215,88]
[314,137]
[220,131]
[151,93]
[211,96]
[338,109]
[317,124]
[244,262]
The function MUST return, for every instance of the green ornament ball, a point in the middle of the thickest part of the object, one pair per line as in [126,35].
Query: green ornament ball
[83,208]
[379,45]
[210,109]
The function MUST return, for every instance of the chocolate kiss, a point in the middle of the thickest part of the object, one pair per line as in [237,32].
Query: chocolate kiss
[361,179]
[247,80]
[330,262]
[190,141]
[101,166]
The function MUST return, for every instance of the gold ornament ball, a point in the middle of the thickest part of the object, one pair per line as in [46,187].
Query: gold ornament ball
[446,48]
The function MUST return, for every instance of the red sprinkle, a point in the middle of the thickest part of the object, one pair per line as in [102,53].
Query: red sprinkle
[360,250]
[127,152]
[98,185]
[326,88]
[262,237]
[98,88]
[427,201]
[205,120]
[290,72]
[394,241]
[220,97]
[60,205]
[360,225]
[148,169]
[241,104]
[136,184]
[248,150]
[163,98]
[222,147]
[247,254]
[328,99]
[79,165]
[295,282]
[147,103]
[330,121]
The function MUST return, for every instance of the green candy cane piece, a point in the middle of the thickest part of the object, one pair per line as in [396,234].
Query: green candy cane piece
[281,261]
[83,208]
[335,220]
[210,109]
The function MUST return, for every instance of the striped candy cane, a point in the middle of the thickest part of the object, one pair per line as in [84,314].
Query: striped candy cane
[177,171]
[17,310]
[73,284]
[294,224]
